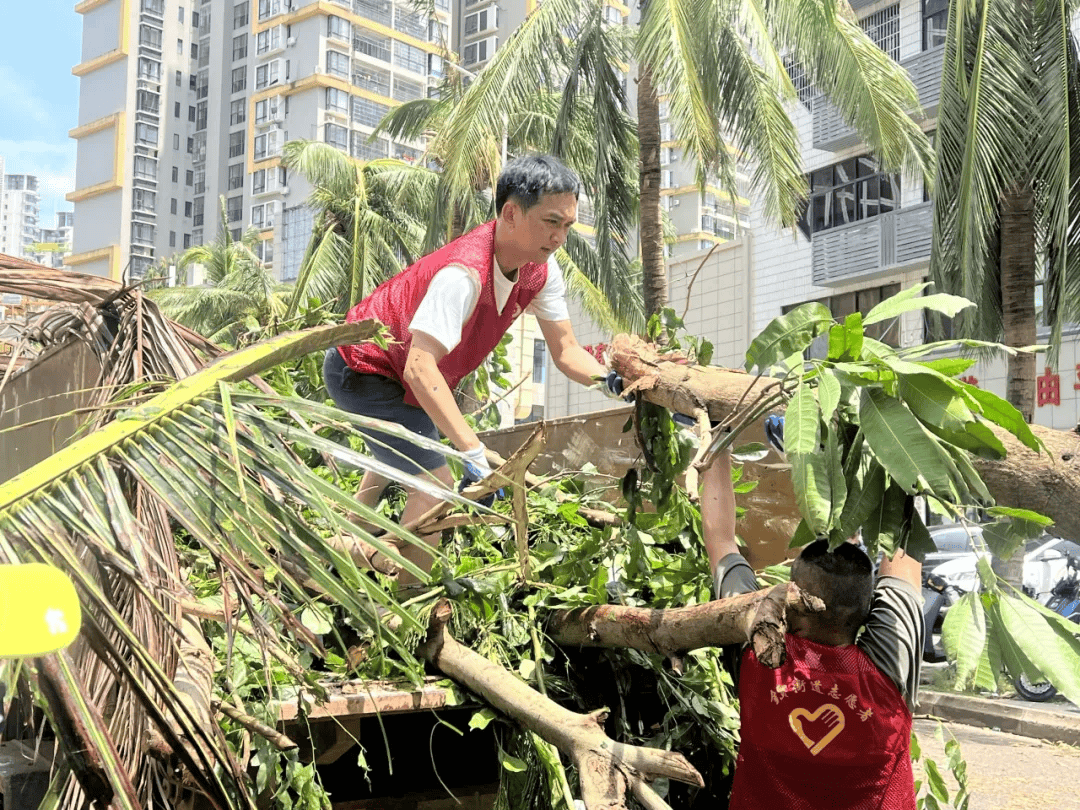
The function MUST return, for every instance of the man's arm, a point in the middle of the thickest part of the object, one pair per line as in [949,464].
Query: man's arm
[567,354]
[432,392]
[718,510]
[902,567]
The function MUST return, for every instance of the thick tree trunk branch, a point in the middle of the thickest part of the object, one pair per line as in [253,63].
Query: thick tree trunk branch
[759,618]
[1047,482]
[606,768]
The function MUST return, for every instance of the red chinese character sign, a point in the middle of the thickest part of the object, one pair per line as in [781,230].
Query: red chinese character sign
[1048,389]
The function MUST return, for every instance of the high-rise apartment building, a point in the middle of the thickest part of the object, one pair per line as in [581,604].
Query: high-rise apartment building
[20,208]
[184,103]
[55,243]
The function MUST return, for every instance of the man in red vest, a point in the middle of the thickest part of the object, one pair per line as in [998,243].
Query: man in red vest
[831,728]
[446,313]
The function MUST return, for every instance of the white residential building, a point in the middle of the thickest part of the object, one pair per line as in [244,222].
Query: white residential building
[185,102]
[20,208]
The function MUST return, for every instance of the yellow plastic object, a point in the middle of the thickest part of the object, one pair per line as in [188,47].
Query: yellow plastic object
[39,610]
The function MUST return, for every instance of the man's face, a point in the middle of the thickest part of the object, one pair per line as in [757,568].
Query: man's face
[542,229]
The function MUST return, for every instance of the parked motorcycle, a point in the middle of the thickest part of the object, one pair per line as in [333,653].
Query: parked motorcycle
[1065,600]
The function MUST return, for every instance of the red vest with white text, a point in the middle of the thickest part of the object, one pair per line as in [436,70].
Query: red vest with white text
[395,301]
[826,731]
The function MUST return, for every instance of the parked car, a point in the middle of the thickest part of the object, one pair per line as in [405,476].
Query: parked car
[953,540]
[1045,562]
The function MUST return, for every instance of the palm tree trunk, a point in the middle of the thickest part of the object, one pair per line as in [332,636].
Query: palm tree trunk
[1018,319]
[653,270]
[1018,294]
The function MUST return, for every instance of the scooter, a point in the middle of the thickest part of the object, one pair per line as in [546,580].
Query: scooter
[936,594]
[1064,600]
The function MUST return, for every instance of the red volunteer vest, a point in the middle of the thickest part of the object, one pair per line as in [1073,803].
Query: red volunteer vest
[826,731]
[395,301]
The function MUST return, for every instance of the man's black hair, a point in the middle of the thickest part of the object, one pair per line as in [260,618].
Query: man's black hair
[843,578]
[526,179]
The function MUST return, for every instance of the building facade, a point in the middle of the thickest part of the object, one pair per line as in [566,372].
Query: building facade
[185,106]
[20,209]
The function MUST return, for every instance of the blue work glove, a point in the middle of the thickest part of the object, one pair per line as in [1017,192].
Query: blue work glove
[476,470]
[613,387]
[774,432]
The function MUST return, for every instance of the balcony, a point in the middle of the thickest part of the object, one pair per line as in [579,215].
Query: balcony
[873,247]
[832,134]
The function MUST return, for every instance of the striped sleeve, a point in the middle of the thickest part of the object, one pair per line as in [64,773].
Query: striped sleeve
[893,635]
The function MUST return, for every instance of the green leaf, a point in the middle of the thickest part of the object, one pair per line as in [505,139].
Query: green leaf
[1020,514]
[1004,537]
[865,490]
[918,542]
[846,340]
[976,437]
[910,300]
[1009,627]
[964,635]
[834,466]
[902,445]
[936,402]
[481,718]
[935,781]
[315,621]
[802,536]
[789,334]
[949,366]
[1004,415]
[1055,653]
[511,763]
[882,527]
[802,422]
[828,394]
[977,490]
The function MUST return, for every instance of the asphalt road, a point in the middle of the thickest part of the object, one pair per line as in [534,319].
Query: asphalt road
[1006,772]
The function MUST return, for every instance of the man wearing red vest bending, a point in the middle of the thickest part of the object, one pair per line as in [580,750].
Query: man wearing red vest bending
[831,728]
[446,313]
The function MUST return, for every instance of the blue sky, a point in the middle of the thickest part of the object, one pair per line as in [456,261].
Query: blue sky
[40,41]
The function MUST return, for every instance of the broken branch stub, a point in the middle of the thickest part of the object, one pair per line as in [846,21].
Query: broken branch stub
[606,768]
[759,618]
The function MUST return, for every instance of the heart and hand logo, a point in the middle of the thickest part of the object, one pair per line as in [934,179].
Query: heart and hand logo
[830,716]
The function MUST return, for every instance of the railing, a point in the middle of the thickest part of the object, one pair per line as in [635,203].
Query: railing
[832,134]
[377,49]
[405,90]
[872,246]
[380,11]
[376,83]
[411,23]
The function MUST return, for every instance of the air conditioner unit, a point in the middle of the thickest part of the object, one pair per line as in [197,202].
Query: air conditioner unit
[318,69]
[284,189]
[290,41]
[269,223]
[675,202]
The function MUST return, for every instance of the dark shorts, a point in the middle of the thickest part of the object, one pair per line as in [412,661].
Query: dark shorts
[382,398]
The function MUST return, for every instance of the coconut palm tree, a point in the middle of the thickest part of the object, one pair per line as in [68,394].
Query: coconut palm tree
[1007,211]
[238,292]
[719,66]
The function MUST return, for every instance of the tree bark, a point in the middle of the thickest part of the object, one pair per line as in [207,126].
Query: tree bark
[1048,482]
[653,269]
[607,769]
[1018,295]
[759,618]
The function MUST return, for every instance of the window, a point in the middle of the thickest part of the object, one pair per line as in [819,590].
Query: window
[935,20]
[153,6]
[145,101]
[176,109]
[175,174]
[363,147]
[239,47]
[187,209]
[149,69]
[337,64]
[146,133]
[267,145]
[368,112]
[145,167]
[143,200]
[258,181]
[337,101]
[257,214]
[239,79]
[234,208]
[192,81]
[180,78]
[539,368]
[408,57]
[150,37]
[336,136]
[142,233]
[483,20]
[883,27]
[194,50]
[236,176]
[266,110]
[180,14]
[236,143]
[372,45]
[172,205]
[268,8]
[195,18]
[268,40]
[189,178]
[187,241]
[799,78]
[237,113]
[849,191]
[240,15]
[176,142]
[338,28]
[172,238]
[200,117]
[191,113]
[266,75]
[667,179]
[191,146]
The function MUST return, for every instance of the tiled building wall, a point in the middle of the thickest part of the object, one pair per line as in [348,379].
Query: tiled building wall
[719,308]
